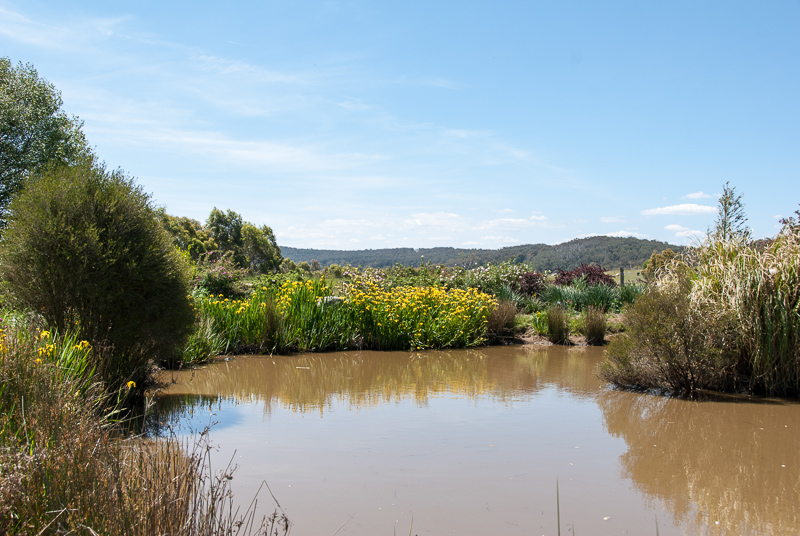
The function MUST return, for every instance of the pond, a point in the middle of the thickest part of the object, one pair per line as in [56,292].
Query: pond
[488,441]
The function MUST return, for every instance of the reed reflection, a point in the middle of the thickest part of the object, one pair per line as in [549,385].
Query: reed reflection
[731,467]
[313,382]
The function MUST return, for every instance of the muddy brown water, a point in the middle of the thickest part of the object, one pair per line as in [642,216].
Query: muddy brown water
[476,442]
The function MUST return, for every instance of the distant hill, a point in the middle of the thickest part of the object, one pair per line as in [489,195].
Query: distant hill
[609,252]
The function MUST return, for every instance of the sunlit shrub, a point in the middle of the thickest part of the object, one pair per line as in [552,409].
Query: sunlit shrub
[217,273]
[85,250]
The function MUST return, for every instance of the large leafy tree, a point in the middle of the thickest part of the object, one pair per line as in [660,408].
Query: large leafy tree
[34,131]
[253,247]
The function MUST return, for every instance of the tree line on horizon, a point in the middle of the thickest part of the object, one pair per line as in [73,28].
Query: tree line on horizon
[607,251]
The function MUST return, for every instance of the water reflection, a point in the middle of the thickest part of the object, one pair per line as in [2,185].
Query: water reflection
[313,382]
[733,467]
[396,434]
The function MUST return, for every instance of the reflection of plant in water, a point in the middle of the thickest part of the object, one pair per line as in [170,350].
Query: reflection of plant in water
[680,452]
[312,382]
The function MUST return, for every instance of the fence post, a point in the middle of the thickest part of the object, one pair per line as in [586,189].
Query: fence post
[621,276]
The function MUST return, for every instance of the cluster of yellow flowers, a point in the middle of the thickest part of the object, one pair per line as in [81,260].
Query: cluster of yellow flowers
[47,350]
[429,316]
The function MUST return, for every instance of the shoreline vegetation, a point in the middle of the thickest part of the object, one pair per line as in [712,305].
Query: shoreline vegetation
[98,286]
[724,316]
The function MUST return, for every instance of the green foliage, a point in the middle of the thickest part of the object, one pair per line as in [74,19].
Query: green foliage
[304,315]
[217,274]
[731,222]
[187,234]
[657,261]
[253,247]
[85,250]
[34,131]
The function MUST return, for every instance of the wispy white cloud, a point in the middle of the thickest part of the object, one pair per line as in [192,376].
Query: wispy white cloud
[436,220]
[684,232]
[696,195]
[64,36]
[686,209]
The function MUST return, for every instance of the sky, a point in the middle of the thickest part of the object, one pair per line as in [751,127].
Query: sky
[470,124]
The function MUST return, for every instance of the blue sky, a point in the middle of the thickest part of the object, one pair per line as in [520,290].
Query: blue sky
[355,124]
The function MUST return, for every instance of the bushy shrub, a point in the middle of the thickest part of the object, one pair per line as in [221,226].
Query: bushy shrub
[671,345]
[85,249]
[217,273]
[592,274]
[532,283]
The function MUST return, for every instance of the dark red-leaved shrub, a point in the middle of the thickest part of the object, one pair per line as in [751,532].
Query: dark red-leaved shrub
[592,273]
[532,283]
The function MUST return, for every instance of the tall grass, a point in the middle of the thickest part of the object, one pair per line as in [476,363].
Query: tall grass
[65,467]
[727,317]
[593,320]
[558,328]
[501,321]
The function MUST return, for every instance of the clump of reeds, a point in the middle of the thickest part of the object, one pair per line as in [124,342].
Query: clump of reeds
[558,328]
[501,321]
[593,320]
[66,467]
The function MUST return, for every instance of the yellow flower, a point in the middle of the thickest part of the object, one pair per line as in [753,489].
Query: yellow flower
[131,384]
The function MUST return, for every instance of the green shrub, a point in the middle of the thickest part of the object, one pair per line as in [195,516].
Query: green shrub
[85,249]
[217,273]
[558,328]
[671,345]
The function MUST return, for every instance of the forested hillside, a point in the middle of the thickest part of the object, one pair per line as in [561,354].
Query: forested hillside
[607,251]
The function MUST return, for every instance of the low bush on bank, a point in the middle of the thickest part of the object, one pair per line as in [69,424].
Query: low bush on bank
[725,318]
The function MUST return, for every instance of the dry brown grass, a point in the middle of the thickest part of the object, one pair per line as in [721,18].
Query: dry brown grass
[65,467]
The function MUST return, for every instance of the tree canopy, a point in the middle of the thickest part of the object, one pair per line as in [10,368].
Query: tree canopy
[34,131]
